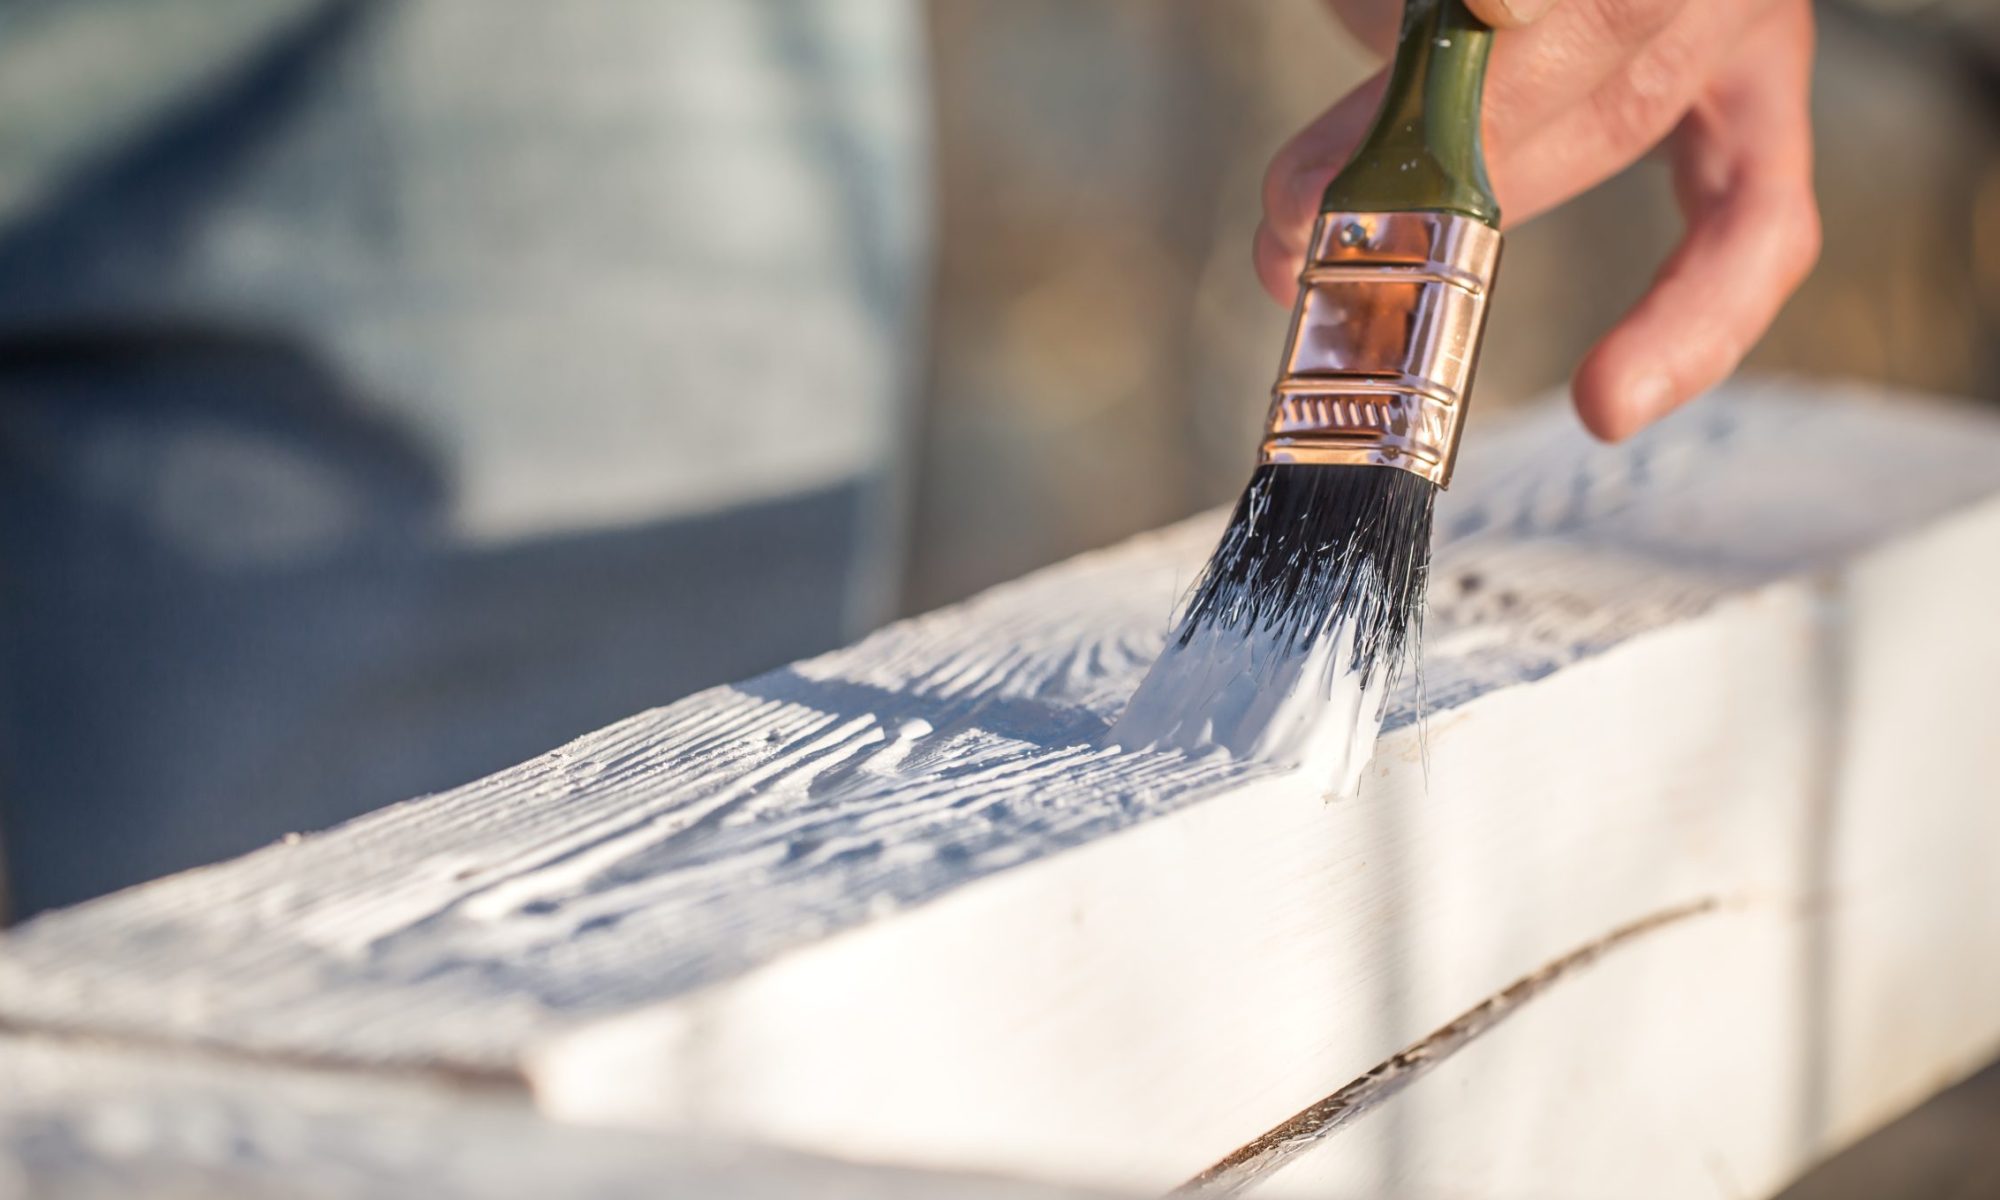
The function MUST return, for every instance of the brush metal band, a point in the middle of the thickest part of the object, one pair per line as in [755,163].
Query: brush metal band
[1384,340]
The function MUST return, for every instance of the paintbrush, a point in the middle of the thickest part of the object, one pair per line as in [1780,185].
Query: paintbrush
[1297,629]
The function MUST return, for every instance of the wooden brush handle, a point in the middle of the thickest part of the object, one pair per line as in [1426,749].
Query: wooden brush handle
[1422,153]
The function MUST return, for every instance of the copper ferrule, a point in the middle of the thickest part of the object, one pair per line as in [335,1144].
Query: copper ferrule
[1385,336]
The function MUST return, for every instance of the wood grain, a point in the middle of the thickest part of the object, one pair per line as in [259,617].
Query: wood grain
[901,901]
[82,1120]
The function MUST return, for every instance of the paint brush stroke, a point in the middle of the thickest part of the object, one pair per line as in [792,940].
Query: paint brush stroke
[1252,697]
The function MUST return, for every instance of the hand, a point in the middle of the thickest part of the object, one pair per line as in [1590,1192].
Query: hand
[1572,98]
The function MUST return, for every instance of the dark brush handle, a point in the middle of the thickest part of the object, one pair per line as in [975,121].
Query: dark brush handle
[1423,153]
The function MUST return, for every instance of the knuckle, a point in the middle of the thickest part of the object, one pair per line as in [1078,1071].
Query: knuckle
[1633,22]
[1673,64]
[1789,221]
[1642,103]
[1804,236]
[1280,190]
[1636,110]
[1493,12]
[1276,267]
[1287,205]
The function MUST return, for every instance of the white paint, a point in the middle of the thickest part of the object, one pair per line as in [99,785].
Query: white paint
[1257,698]
[1690,666]
[87,1121]
[1129,1011]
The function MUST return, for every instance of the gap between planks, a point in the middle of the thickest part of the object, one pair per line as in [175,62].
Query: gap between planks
[1278,1146]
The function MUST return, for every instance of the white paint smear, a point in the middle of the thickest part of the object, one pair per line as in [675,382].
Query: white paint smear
[1254,698]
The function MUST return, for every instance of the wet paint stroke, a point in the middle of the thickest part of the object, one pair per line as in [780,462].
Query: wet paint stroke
[1255,698]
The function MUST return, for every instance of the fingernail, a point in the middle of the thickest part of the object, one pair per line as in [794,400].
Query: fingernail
[1524,11]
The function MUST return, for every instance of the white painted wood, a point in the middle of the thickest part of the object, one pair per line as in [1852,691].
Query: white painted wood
[82,1120]
[1726,1051]
[899,902]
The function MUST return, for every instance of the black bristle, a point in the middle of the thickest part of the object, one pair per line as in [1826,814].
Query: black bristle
[1311,549]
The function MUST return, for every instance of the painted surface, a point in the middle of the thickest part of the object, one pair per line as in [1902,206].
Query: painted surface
[1255,699]
[1133,1010]
[686,845]
[82,1120]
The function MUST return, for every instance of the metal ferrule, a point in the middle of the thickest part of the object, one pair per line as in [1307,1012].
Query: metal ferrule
[1378,367]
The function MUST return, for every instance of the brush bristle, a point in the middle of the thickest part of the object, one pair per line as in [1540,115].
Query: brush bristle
[1313,550]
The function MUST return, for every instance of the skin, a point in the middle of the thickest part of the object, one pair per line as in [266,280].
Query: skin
[1576,91]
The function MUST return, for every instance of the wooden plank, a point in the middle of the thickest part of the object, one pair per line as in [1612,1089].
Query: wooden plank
[83,1120]
[900,901]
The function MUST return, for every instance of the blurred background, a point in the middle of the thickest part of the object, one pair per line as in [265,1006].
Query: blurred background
[392,391]
[1101,349]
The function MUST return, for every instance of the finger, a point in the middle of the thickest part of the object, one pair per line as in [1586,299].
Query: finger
[1303,166]
[1278,265]
[1621,119]
[1743,162]
[1537,76]
[1373,23]
[1541,72]
[1509,14]
[1533,75]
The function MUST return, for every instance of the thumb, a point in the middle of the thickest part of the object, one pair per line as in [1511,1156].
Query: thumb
[1509,14]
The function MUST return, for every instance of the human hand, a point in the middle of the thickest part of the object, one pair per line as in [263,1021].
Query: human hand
[1576,90]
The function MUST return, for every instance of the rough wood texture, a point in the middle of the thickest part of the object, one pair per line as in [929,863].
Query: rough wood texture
[81,1120]
[1719,686]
